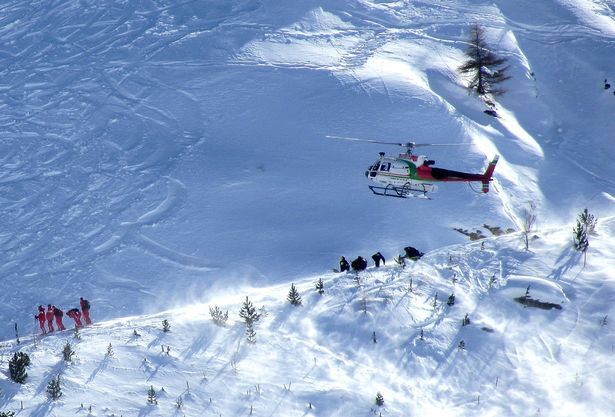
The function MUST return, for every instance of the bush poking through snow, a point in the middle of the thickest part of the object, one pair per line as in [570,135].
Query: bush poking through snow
[218,316]
[320,287]
[109,350]
[54,390]
[379,400]
[68,352]
[293,296]
[17,367]
[7,414]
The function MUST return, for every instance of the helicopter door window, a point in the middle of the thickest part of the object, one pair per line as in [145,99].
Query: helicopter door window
[385,167]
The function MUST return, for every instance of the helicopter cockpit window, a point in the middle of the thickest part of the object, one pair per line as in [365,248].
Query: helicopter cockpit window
[385,167]
[376,166]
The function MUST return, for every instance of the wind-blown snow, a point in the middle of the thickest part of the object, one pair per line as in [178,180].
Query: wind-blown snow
[162,156]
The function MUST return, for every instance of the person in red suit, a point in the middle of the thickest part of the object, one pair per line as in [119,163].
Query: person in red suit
[41,318]
[75,314]
[85,308]
[58,315]
[50,316]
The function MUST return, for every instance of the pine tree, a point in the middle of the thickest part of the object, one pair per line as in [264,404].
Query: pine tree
[151,395]
[451,300]
[68,352]
[7,414]
[248,312]
[54,390]
[466,320]
[379,400]
[320,286]
[250,316]
[588,221]
[17,367]
[486,69]
[110,350]
[250,333]
[166,327]
[293,296]
[218,316]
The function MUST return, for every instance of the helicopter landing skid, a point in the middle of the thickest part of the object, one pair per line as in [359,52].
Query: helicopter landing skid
[406,191]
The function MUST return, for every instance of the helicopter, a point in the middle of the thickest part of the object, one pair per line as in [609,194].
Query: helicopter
[408,175]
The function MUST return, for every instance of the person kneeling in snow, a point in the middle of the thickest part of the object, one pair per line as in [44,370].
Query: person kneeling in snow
[358,264]
[344,266]
[412,253]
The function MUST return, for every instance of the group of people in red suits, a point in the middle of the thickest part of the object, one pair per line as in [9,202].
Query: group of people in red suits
[53,312]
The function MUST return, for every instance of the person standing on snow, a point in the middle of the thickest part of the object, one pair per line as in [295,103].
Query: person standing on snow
[49,316]
[41,319]
[58,315]
[344,266]
[377,257]
[85,308]
[75,314]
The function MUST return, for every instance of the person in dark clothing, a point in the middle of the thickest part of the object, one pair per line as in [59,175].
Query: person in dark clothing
[58,315]
[412,253]
[344,266]
[358,264]
[85,308]
[377,257]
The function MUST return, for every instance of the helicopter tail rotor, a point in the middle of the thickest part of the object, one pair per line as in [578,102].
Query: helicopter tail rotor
[489,173]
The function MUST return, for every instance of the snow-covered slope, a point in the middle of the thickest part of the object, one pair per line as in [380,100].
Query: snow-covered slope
[158,154]
[320,358]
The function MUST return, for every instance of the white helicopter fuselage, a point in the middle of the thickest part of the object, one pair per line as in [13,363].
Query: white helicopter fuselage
[400,172]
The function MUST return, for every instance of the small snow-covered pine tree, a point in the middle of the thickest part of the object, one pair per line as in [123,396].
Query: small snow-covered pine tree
[320,286]
[250,333]
[218,316]
[451,300]
[68,352]
[248,312]
[110,350]
[293,295]
[250,316]
[379,400]
[54,390]
[151,395]
[589,221]
[17,367]
[166,327]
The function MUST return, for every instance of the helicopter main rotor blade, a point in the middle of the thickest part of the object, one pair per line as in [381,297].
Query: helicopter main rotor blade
[370,141]
[409,145]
